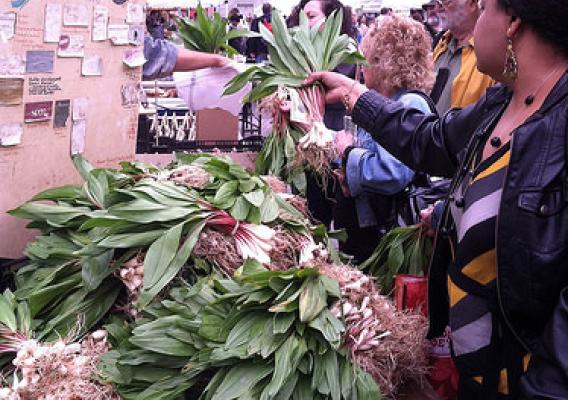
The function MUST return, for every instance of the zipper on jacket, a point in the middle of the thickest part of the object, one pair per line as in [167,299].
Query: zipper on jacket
[499,299]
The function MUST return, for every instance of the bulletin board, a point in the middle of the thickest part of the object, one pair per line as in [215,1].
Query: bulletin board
[69,83]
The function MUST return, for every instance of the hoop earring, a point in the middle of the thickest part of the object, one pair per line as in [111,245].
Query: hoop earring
[511,69]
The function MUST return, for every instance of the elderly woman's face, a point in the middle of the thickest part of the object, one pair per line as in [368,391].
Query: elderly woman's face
[492,23]
[314,12]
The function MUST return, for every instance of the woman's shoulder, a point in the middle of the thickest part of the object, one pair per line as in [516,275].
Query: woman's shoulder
[415,100]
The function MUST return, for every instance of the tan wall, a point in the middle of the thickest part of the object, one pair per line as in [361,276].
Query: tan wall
[42,160]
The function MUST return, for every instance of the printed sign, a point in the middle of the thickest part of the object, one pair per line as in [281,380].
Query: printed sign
[38,112]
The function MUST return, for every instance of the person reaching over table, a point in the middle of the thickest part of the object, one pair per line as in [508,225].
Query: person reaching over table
[164,58]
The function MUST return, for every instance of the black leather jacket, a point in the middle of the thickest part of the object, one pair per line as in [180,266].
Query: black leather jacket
[532,225]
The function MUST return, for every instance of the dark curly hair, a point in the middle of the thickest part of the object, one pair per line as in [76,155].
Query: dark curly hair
[328,7]
[548,18]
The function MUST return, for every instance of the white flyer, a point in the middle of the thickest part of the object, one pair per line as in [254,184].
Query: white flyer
[53,20]
[80,108]
[75,14]
[100,23]
[135,13]
[134,57]
[71,46]
[136,35]
[118,34]
[92,66]
[12,64]
[78,137]
[11,134]
[7,26]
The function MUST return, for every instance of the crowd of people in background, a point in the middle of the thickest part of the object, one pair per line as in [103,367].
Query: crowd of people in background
[161,24]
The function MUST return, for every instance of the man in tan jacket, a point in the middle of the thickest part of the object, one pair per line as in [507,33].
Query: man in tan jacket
[459,83]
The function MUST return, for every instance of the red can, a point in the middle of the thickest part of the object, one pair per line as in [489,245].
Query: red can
[411,293]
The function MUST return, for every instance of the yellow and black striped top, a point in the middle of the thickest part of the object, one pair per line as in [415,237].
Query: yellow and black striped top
[472,276]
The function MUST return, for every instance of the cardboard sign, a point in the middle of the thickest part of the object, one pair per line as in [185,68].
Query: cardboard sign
[11,91]
[38,112]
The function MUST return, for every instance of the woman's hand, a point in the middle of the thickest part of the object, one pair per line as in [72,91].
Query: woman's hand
[337,87]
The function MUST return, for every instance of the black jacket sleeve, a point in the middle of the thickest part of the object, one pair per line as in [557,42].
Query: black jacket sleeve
[547,375]
[424,142]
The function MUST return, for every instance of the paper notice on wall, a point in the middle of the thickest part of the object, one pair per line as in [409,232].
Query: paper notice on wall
[134,57]
[118,34]
[80,108]
[11,91]
[75,14]
[135,13]
[136,35]
[39,61]
[39,111]
[92,66]
[71,46]
[78,136]
[11,134]
[12,64]
[61,113]
[53,21]
[7,26]
[100,23]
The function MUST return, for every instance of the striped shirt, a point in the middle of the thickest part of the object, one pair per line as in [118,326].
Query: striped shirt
[472,276]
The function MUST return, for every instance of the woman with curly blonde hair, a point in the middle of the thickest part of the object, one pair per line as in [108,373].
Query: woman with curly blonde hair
[399,66]
[399,56]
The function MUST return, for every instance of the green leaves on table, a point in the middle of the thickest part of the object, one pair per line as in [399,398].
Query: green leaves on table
[263,335]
